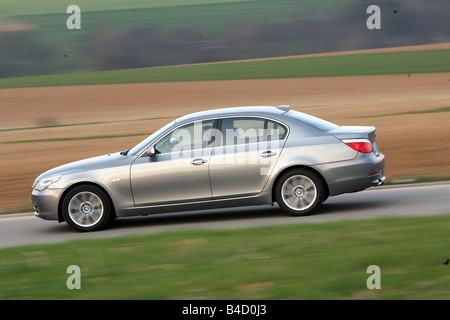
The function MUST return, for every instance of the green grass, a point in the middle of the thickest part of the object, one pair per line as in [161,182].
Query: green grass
[297,261]
[23,208]
[215,16]
[26,7]
[83,124]
[420,179]
[427,61]
[76,138]
[176,7]
[435,110]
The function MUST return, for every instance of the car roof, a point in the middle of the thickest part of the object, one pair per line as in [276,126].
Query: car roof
[235,111]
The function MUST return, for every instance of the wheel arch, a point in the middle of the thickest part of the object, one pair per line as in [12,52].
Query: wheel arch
[280,174]
[64,194]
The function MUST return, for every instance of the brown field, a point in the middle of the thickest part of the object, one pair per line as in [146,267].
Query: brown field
[414,144]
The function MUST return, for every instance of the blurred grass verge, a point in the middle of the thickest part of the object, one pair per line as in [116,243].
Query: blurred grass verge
[76,138]
[435,110]
[27,7]
[297,261]
[386,63]
[420,179]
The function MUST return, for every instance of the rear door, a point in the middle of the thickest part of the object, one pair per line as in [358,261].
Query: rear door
[246,154]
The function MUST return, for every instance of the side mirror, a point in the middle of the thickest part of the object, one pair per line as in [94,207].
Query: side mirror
[151,151]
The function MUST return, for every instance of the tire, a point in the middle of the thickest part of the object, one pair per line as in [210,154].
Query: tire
[325,197]
[299,192]
[87,208]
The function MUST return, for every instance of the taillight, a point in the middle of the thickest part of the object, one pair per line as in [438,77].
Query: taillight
[361,145]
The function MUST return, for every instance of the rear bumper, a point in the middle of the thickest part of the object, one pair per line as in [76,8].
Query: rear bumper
[365,171]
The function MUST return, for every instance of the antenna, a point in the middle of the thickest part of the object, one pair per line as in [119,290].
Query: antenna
[283,107]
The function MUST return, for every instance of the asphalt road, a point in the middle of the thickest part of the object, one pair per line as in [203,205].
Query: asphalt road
[386,201]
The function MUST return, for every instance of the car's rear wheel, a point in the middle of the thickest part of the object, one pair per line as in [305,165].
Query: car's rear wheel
[86,208]
[299,192]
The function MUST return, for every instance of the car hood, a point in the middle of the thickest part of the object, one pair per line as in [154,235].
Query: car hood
[99,162]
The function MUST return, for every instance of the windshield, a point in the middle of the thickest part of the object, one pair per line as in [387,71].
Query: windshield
[313,121]
[135,150]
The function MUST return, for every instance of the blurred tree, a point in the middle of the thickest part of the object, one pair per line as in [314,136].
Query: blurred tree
[295,28]
[21,54]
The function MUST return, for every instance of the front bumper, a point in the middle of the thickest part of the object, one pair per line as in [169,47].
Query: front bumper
[46,203]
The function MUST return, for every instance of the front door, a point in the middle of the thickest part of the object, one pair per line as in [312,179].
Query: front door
[179,171]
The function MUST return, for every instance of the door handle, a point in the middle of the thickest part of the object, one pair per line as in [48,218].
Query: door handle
[268,154]
[198,162]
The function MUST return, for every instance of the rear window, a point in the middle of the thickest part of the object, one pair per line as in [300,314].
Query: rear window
[312,121]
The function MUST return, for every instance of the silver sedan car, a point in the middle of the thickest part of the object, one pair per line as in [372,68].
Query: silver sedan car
[213,159]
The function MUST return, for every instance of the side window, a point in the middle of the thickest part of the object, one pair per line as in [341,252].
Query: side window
[275,131]
[196,135]
[244,130]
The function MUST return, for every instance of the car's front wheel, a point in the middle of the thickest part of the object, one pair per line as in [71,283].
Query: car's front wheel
[86,208]
[299,192]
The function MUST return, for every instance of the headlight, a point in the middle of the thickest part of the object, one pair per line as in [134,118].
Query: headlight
[43,184]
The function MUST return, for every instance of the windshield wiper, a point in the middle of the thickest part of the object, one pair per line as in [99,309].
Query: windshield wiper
[124,152]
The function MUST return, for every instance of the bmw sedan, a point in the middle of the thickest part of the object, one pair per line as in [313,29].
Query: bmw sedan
[214,159]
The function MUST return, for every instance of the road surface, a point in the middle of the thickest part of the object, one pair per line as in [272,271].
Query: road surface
[386,201]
